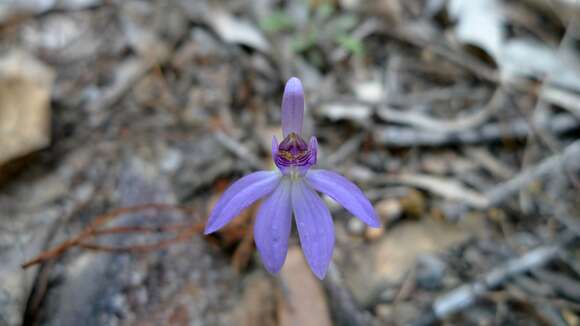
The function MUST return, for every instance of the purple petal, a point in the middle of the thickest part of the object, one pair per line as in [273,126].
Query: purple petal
[240,195]
[292,107]
[274,146]
[273,226]
[313,147]
[345,193]
[315,227]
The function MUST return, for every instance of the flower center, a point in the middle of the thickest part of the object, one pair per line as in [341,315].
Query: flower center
[294,156]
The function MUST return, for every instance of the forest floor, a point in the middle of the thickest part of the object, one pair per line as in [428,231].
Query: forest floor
[122,122]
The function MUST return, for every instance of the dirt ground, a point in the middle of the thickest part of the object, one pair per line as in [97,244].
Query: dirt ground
[123,121]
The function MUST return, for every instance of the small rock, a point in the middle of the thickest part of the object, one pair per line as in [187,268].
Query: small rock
[414,203]
[25,88]
[405,243]
[172,161]
[571,317]
[137,277]
[389,210]
[373,234]
[370,91]
[430,271]
[118,305]
[356,227]
[384,311]
[389,259]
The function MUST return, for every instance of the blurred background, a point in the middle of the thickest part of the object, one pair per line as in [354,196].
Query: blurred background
[122,122]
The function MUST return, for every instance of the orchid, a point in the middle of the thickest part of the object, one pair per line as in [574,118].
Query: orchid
[292,190]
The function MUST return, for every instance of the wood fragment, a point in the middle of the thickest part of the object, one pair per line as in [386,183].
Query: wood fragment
[421,121]
[393,136]
[346,150]
[465,295]
[504,191]
[447,188]
[342,302]
[239,150]
[94,229]
[424,37]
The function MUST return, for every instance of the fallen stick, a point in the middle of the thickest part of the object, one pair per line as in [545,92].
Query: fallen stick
[238,149]
[504,191]
[342,302]
[465,295]
[393,136]
[498,194]
[183,232]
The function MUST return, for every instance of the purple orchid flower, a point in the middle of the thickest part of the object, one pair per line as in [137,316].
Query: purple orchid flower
[292,189]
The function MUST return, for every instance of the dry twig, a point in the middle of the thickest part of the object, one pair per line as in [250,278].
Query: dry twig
[341,300]
[239,150]
[94,229]
[465,295]
[394,136]
[504,191]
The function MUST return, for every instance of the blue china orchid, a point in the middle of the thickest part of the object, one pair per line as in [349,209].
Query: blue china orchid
[292,190]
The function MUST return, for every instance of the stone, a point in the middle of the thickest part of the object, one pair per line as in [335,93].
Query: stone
[25,89]
[389,209]
[429,272]
[387,261]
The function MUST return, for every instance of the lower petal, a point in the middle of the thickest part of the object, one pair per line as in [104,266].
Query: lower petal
[273,226]
[240,195]
[345,193]
[315,227]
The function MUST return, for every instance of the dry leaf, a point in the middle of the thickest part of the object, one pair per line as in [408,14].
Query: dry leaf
[305,303]
[518,57]
[474,29]
[526,58]
[237,31]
